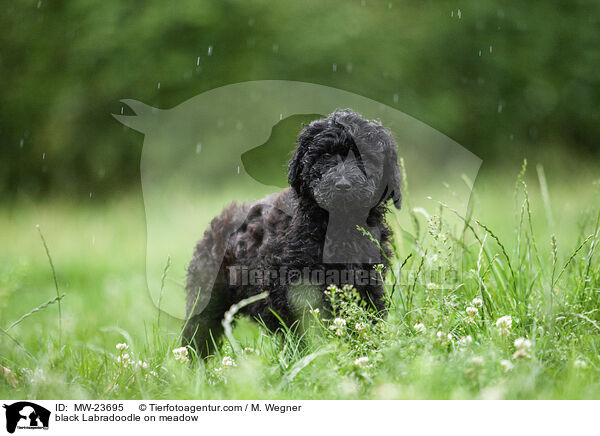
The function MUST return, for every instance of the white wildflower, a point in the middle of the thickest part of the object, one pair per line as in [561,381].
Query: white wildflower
[444,338]
[432,286]
[124,360]
[522,345]
[472,312]
[339,322]
[348,288]
[142,364]
[477,302]
[122,347]
[181,354]
[361,362]
[507,365]
[504,323]
[360,326]
[580,364]
[465,340]
[228,361]
[338,325]
[420,327]
[331,288]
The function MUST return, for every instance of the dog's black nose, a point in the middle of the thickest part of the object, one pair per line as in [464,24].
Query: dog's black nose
[343,184]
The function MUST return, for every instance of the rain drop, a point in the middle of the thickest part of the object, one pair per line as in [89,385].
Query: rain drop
[499,107]
[334,68]
[459,14]
[44,156]
[198,148]
[490,48]
[90,194]
[480,53]
[395,98]
[238,169]
[121,110]
[390,5]
[210,50]
[21,143]
[158,86]
[198,61]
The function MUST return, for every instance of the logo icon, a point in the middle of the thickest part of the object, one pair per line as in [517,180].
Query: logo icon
[26,415]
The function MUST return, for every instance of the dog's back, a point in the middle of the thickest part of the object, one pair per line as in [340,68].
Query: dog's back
[239,237]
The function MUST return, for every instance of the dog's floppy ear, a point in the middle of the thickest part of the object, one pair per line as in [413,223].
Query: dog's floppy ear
[295,168]
[296,165]
[391,172]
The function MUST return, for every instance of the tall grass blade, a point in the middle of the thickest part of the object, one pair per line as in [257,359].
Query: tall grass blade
[55,283]
[228,318]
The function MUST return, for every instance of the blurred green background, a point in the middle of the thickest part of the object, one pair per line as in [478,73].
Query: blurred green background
[505,79]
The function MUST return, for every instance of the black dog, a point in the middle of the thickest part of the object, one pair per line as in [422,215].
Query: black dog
[295,243]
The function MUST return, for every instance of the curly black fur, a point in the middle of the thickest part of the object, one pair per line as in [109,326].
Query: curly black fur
[342,175]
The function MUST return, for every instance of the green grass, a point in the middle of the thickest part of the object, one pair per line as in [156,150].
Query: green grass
[440,339]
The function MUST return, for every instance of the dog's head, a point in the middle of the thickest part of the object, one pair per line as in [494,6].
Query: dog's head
[345,162]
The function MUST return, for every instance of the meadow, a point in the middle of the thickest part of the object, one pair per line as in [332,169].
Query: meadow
[505,305]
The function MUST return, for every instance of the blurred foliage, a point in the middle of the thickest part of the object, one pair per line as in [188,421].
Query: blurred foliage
[503,78]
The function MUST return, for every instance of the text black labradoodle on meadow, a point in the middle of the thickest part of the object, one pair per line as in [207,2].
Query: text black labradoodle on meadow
[295,243]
